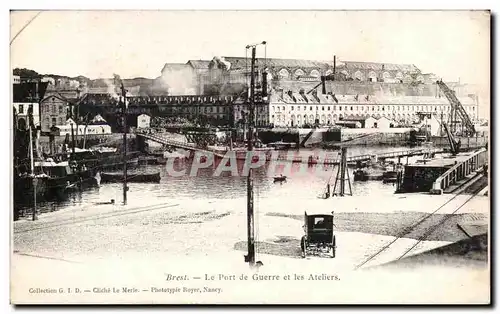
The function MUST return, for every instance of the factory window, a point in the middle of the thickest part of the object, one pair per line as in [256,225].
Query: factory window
[21,109]
[383,108]
[291,108]
[351,107]
[315,73]
[283,73]
[340,107]
[311,108]
[328,108]
[373,108]
[345,107]
[283,108]
[305,108]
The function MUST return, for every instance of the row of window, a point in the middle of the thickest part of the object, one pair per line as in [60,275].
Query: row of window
[49,122]
[52,108]
[373,108]
[282,117]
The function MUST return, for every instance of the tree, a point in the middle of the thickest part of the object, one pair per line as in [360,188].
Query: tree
[26,73]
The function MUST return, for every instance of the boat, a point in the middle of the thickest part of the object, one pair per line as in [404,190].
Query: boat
[390,176]
[135,177]
[367,175]
[280,179]
[282,145]
[148,160]
[105,150]
[241,153]
[23,187]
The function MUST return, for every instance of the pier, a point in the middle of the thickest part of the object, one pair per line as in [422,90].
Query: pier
[464,169]
[162,138]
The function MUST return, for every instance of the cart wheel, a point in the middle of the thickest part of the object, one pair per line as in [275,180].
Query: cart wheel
[334,246]
[303,246]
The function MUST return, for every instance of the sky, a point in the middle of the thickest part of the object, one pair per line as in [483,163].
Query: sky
[451,44]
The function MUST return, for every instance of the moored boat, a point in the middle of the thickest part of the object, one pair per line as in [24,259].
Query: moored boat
[280,179]
[241,153]
[390,176]
[367,175]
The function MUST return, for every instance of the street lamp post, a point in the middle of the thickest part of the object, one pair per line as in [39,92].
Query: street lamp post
[250,258]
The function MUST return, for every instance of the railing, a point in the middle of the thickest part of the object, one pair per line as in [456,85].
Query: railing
[165,141]
[474,162]
[350,159]
[295,159]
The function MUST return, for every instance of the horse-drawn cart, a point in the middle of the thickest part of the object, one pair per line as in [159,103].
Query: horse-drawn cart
[318,235]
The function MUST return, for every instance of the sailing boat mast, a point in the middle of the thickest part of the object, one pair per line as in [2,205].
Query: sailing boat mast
[32,159]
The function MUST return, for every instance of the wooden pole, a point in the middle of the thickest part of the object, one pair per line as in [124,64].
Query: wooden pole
[124,93]
[32,161]
[343,162]
[72,139]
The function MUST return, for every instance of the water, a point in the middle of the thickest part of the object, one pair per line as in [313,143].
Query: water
[303,182]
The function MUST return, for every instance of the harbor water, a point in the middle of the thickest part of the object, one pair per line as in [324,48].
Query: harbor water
[303,182]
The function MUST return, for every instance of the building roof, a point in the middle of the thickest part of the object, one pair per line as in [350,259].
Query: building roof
[29,92]
[199,64]
[56,95]
[379,66]
[242,62]
[372,100]
[175,66]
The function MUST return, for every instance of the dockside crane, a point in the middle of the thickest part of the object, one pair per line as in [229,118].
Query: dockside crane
[325,78]
[454,144]
[457,110]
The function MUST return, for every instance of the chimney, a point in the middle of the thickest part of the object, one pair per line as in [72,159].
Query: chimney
[334,64]
[264,84]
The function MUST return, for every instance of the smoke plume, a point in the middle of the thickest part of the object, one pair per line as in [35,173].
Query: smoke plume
[180,81]
[113,86]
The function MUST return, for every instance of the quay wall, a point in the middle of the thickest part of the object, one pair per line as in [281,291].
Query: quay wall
[111,140]
[361,136]
[466,142]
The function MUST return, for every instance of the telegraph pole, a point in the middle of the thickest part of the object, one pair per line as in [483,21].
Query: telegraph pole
[77,113]
[250,258]
[32,159]
[124,107]
[250,216]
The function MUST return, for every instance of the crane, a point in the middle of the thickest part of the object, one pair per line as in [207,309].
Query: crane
[325,78]
[457,109]
[454,145]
